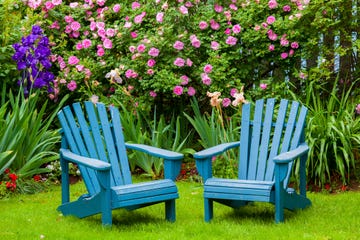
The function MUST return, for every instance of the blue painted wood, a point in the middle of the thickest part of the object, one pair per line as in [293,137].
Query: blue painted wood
[93,139]
[265,139]
[255,139]
[245,142]
[271,139]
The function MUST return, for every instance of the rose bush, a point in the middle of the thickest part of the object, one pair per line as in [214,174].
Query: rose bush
[159,51]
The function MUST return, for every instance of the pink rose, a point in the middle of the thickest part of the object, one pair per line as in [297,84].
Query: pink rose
[154,52]
[151,62]
[191,91]
[203,25]
[208,68]
[189,63]
[272,4]
[178,90]
[270,19]
[231,40]
[294,45]
[107,43]
[71,85]
[214,45]
[178,45]
[271,47]
[185,80]
[141,48]
[116,8]
[75,26]
[159,17]
[100,52]
[263,86]
[284,55]
[226,102]
[86,43]
[73,60]
[183,10]
[179,62]
[153,94]
[236,28]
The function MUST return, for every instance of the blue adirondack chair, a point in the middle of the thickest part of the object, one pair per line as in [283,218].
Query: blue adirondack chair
[271,139]
[93,139]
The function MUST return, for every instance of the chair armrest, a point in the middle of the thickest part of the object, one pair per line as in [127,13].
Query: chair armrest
[156,152]
[85,161]
[289,156]
[215,150]
[172,160]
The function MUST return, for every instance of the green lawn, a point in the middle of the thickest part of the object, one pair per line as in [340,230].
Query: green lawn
[335,216]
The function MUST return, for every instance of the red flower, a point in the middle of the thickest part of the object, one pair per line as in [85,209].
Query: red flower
[37,178]
[7,171]
[11,186]
[13,177]
[327,186]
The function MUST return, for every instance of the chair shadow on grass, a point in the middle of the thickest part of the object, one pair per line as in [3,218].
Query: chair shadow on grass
[123,218]
[257,213]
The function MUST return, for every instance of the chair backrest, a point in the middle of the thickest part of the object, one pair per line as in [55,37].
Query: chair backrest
[266,131]
[95,131]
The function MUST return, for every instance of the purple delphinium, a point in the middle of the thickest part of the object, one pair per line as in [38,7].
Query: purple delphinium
[32,56]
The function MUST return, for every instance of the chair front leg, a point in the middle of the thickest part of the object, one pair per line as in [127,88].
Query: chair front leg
[209,209]
[106,214]
[170,210]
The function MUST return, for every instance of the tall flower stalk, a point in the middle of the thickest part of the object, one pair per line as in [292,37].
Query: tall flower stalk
[32,56]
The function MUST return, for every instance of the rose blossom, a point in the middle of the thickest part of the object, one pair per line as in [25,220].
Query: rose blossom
[226,102]
[270,19]
[236,28]
[159,17]
[189,62]
[178,45]
[203,25]
[75,26]
[185,80]
[141,48]
[73,60]
[294,45]
[116,8]
[231,40]
[71,85]
[214,45]
[154,52]
[208,68]
[272,4]
[107,43]
[152,94]
[271,47]
[287,8]
[151,62]
[183,10]
[178,90]
[100,52]
[284,55]
[179,62]
[86,43]
[263,86]
[191,92]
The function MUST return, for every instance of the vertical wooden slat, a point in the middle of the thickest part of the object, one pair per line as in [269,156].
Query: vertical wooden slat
[290,124]
[265,139]
[88,141]
[109,144]
[298,135]
[120,144]
[75,141]
[244,141]
[278,133]
[255,140]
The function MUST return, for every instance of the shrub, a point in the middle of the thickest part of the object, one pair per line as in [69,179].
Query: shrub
[162,52]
